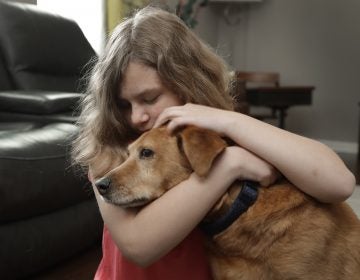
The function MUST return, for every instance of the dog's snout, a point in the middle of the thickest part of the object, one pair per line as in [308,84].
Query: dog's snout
[103,185]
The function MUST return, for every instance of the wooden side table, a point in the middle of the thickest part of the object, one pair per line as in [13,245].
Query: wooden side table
[280,99]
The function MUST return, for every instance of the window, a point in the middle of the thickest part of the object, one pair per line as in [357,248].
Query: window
[89,14]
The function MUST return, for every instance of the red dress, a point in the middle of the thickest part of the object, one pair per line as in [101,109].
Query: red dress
[187,261]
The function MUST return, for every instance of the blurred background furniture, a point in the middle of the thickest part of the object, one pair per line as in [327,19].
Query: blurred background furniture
[43,57]
[46,214]
[264,90]
[257,79]
[359,138]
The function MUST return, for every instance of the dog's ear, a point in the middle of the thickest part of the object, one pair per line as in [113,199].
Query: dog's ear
[201,147]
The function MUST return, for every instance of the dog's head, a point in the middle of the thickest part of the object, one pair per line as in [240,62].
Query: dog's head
[156,162]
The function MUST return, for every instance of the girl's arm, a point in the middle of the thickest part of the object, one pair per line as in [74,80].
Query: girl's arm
[144,235]
[311,166]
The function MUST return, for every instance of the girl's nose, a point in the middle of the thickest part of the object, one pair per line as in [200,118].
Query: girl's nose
[139,116]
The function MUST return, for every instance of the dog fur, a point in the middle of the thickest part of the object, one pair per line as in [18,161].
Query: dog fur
[286,234]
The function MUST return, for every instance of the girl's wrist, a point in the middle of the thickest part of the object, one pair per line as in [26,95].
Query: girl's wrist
[229,120]
[231,163]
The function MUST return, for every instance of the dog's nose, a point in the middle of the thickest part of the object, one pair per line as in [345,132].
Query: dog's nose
[103,185]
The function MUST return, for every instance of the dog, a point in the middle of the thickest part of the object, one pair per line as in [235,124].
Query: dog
[284,233]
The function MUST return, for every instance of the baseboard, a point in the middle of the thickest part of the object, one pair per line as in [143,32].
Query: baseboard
[341,146]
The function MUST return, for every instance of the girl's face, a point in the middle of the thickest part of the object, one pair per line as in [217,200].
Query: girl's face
[143,97]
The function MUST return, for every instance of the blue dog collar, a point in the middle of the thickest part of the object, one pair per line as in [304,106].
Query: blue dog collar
[244,200]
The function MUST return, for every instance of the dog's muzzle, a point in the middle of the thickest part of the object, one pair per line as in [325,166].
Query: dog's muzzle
[103,185]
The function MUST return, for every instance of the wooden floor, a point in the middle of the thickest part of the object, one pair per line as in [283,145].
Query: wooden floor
[83,267]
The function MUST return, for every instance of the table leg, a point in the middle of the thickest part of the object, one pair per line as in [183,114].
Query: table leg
[282,116]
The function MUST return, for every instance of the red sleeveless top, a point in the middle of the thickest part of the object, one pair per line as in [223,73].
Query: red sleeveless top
[187,261]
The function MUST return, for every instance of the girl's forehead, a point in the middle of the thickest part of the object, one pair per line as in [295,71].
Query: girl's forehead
[138,78]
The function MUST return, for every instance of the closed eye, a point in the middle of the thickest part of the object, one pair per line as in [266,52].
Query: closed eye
[150,99]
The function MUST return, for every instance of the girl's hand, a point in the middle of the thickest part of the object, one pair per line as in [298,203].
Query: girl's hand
[192,114]
[245,165]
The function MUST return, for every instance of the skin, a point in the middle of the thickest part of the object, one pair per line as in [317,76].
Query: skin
[310,165]
[148,103]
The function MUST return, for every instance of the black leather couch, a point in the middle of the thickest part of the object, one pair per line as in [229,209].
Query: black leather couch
[47,214]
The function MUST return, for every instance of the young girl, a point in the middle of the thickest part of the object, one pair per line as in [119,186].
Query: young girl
[155,71]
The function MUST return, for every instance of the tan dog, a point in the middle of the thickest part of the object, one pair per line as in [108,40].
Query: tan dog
[285,234]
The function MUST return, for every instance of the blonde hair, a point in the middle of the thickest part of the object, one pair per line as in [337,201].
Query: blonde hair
[158,39]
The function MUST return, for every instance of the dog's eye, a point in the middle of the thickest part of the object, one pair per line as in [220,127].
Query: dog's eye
[146,153]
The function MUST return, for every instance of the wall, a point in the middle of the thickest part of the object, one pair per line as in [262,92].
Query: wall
[309,43]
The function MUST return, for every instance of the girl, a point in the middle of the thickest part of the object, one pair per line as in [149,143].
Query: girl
[155,71]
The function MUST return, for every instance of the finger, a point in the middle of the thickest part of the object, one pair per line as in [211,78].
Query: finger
[174,124]
[160,121]
[166,115]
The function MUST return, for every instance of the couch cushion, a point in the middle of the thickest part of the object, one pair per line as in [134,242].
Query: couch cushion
[67,117]
[12,127]
[5,82]
[41,242]
[38,102]
[35,173]
[42,50]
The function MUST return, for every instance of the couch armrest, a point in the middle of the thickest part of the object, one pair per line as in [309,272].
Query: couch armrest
[38,102]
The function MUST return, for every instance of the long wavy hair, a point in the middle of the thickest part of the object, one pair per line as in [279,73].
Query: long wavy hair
[158,39]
